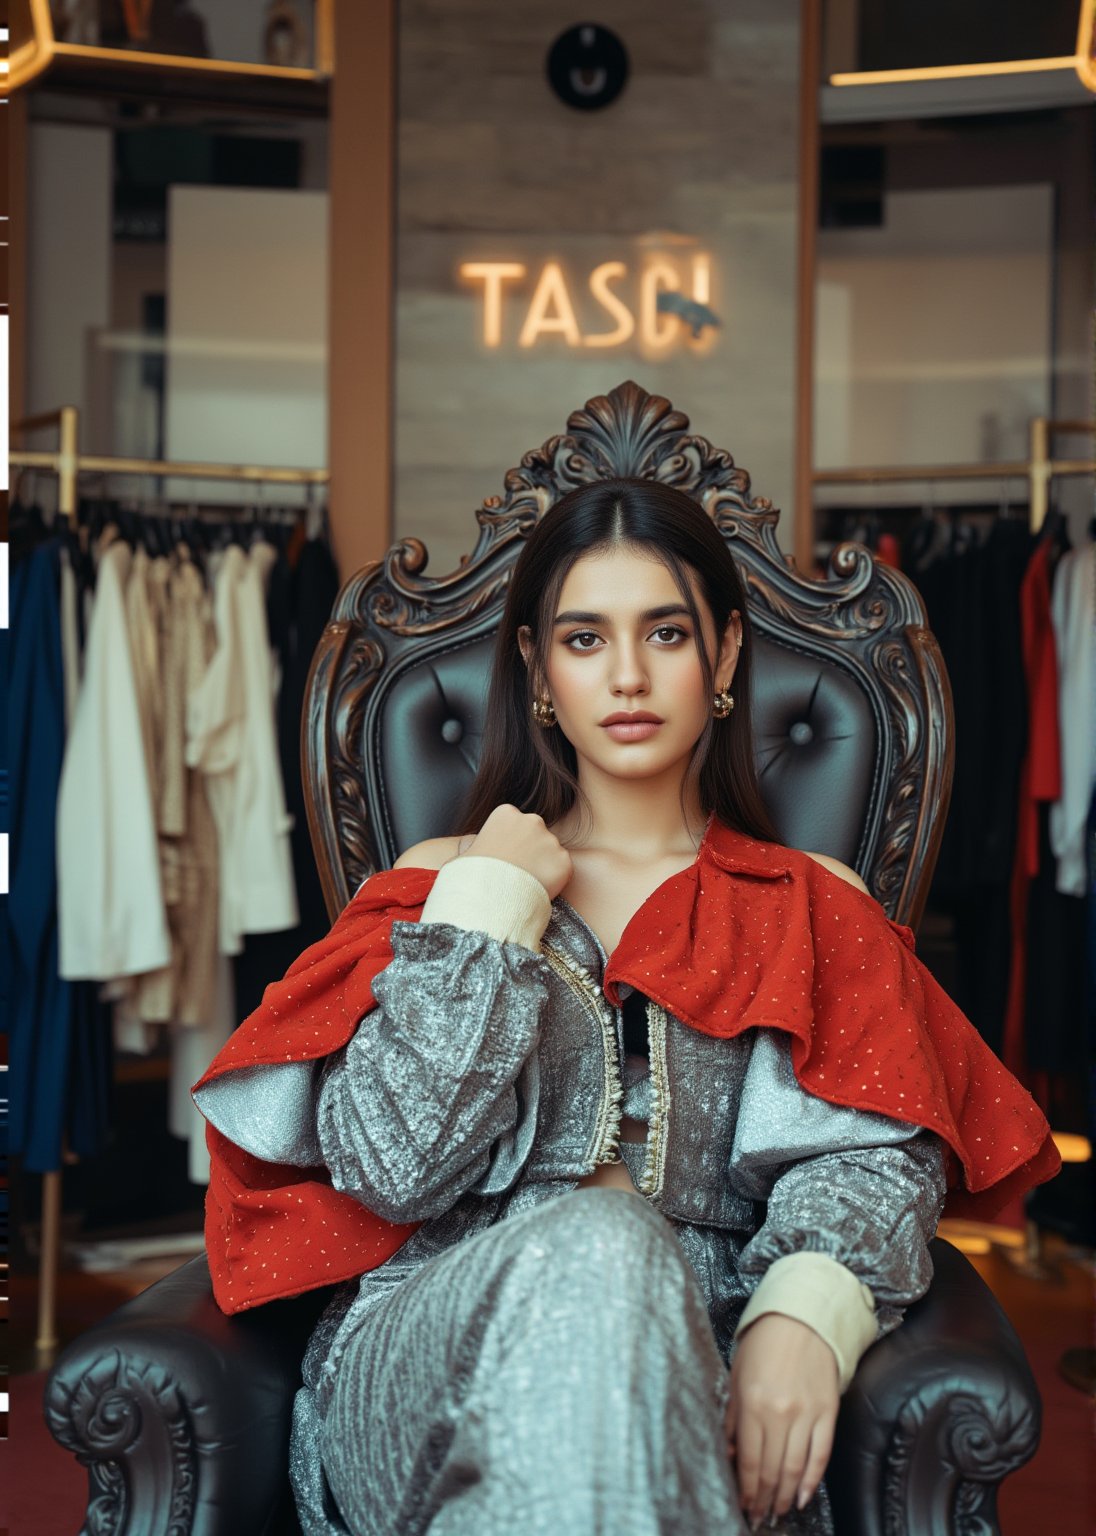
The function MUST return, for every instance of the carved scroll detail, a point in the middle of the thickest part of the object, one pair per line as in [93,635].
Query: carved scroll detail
[973,1443]
[102,1418]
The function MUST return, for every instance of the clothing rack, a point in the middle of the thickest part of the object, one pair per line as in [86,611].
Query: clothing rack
[1039,469]
[68,464]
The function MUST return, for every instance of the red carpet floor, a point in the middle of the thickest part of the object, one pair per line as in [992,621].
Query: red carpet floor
[45,1489]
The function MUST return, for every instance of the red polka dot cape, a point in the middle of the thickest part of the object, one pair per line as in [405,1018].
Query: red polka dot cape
[752,934]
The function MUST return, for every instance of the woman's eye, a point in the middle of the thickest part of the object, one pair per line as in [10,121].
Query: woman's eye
[669,629]
[581,634]
[672,630]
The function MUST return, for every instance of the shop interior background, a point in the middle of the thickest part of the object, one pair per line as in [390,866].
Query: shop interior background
[200,278]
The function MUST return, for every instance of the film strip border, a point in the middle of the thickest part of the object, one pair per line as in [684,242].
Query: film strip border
[5,173]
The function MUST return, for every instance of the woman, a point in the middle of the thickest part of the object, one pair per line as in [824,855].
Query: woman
[578,1106]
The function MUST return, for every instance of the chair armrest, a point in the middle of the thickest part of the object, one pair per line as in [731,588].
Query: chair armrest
[182,1414]
[939,1413]
[168,1399]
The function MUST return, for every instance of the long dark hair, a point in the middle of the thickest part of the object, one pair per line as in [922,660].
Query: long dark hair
[535,769]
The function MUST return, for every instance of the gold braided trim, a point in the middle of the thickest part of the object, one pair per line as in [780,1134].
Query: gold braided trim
[611,1109]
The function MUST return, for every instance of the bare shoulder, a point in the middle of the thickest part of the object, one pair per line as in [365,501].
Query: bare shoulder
[430,854]
[836,867]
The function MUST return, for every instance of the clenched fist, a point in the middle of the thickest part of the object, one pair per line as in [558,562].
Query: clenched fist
[521,838]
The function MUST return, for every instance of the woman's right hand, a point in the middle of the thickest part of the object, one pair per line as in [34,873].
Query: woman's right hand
[521,838]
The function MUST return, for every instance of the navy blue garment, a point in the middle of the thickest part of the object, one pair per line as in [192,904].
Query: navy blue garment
[5,948]
[54,1025]
[40,1002]
[5,825]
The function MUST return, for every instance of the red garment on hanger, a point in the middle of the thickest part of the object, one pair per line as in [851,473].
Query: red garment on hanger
[1040,779]
[752,934]
[889,551]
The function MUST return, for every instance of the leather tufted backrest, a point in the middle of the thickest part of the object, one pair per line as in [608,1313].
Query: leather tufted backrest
[852,710]
[814,731]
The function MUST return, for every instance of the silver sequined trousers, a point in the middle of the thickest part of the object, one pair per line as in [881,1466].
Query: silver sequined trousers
[557,1373]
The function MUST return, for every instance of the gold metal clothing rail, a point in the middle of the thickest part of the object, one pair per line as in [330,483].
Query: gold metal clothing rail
[35,49]
[67,463]
[1039,469]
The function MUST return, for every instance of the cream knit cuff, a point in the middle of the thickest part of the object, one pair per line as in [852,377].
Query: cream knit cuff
[492,896]
[818,1291]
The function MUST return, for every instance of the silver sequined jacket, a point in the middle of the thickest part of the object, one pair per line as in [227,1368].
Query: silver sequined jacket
[490,1077]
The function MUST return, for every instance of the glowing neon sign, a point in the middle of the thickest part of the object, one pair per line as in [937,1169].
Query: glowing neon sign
[665,313]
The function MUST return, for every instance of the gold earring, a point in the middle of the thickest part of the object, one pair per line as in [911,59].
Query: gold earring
[722,704]
[543,712]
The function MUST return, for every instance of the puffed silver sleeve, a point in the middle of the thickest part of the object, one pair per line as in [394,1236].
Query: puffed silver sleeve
[442,1063]
[850,1186]
[439,1080]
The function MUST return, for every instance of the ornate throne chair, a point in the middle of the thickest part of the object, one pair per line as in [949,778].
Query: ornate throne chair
[182,1414]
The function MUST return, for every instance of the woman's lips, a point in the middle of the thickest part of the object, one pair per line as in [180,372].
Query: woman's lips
[627,730]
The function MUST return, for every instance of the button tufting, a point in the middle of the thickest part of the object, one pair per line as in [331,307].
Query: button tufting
[452,731]
[801,733]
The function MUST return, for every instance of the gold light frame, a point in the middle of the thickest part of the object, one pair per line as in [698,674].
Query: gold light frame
[1085,58]
[34,56]
[1082,62]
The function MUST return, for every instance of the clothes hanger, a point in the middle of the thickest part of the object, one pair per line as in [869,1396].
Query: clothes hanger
[161,540]
[197,533]
[242,529]
[1055,534]
[148,524]
[922,542]
[26,521]
[315,517]
[22,490]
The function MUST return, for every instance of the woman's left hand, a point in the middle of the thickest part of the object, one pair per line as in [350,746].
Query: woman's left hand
[781,1414]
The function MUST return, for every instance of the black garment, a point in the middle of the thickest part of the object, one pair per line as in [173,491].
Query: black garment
[634,1014]
[299,603]
[1057,1004]
[973,602]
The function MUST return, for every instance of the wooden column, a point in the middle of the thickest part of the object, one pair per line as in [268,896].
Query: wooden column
[810,63]
[16,296]
[361,180]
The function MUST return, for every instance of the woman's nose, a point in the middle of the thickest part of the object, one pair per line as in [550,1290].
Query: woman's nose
[628,675]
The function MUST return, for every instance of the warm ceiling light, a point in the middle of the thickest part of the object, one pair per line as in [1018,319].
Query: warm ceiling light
[953,71]
[1086,45]
[1082,62]
[1072,1149]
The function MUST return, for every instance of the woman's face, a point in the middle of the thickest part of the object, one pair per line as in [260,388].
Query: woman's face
[623,641]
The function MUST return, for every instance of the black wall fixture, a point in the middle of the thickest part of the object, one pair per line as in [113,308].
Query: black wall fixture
[587,67]
[853,184]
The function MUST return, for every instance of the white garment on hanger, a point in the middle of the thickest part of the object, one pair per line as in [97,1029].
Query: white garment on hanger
[70,637]
[1073,615]
[110,904]
[192,1050]
[231,736]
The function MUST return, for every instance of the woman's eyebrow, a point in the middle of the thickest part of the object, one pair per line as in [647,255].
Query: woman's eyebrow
[578,616]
